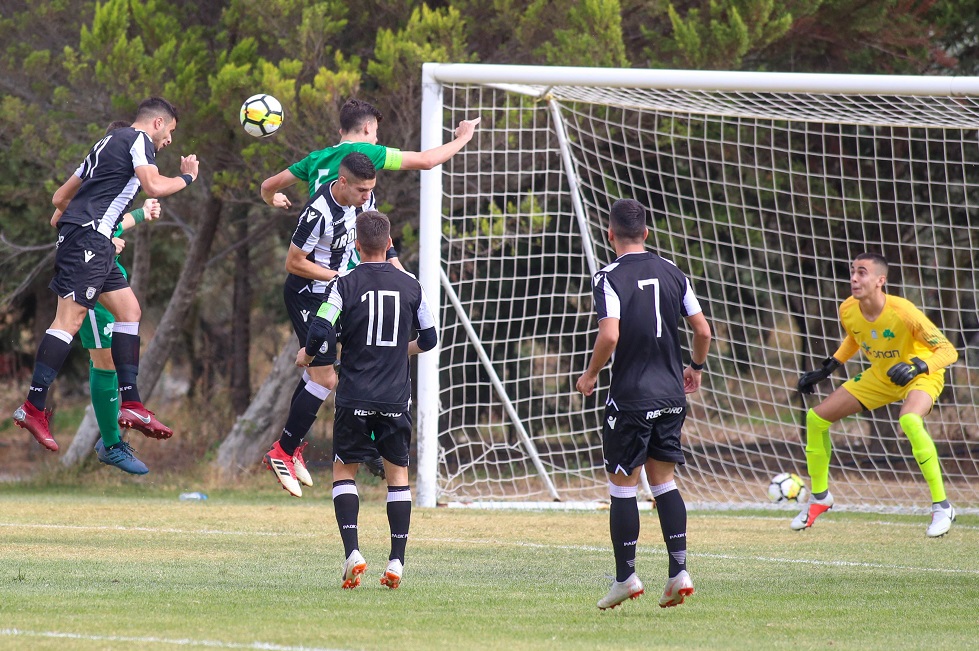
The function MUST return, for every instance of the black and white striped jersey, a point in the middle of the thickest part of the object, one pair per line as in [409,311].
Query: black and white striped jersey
[327,232]
[649,295]
[109,181]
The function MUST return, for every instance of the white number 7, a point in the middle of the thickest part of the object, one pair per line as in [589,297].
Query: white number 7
[659,319]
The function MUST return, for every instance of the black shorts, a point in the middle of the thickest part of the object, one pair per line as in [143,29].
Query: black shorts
[84,265]
[630,437]
[302,308]
[359,435]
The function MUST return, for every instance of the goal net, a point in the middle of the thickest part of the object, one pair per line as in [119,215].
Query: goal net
[762,189]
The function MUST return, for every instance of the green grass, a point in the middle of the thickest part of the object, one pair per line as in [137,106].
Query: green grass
[125,567]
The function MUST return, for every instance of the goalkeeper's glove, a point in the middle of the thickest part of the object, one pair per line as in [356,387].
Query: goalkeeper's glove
[902,372]
[807,383]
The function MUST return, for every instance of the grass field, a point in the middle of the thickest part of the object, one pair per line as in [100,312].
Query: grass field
[120,567]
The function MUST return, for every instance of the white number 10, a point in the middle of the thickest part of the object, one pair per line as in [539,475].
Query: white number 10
[659,319]
[375,324]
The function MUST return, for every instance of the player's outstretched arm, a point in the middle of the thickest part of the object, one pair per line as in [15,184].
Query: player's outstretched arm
[156,185]
[809,379]
[272,188]
[426,160]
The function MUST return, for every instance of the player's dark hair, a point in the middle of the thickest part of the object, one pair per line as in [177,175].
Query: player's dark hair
[152,107]
[358,166]
[628,220]
[355,112]
[876,258]
[116,124]
[373,231]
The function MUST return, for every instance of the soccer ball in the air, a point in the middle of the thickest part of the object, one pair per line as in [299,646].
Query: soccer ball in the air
[261,115]
[787,486]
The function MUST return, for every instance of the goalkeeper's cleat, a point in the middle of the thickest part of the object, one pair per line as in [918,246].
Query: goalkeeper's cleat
[677,589]
[299,467]
[281,464]
[631,588]
[353,567]
[941,520]
[36,422]
[133,415]
[121,456]
[376,467]
[811,511]
[392,576]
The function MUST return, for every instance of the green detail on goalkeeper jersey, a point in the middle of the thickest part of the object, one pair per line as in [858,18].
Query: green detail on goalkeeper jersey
[321,166]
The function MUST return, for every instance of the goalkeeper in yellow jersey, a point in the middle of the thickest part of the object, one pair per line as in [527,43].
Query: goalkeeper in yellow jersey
[908,355]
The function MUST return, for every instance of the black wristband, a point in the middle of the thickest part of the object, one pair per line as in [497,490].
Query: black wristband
[697,367]
[188,179]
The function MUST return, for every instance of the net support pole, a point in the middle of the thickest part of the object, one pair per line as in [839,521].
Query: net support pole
[430,256]
[574,189]
[497,383]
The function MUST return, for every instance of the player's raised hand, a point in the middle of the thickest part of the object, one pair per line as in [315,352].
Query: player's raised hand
[152,209]
[280,200]
[808,381]
[466,128]
[189,165]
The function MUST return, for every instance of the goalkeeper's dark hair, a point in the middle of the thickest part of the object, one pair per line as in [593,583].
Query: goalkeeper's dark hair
[116,124]
[373,232]
[153,107]
[357,166]
[628,220]
[355,112]
[876,258]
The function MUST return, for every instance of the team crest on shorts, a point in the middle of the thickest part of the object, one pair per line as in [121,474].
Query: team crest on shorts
[89,293]
[325,347]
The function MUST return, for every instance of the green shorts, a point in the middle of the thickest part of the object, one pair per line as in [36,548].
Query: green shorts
[96,330]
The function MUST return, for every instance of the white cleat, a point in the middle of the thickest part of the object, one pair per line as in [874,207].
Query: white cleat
[812,510]
[941,520]
[353,567]
[631,588]
[299,467]
[392,575]
[677,589]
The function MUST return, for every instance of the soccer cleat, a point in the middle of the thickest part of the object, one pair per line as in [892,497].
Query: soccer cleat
[677,589]
[631,588]
[811,511]
[281,464]
[376,467]
[35,421]
[392,576]
[133,415]
[941,520]
[353,567]
[121,456]
[299,467]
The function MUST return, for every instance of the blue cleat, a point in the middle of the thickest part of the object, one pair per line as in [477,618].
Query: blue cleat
[121,456]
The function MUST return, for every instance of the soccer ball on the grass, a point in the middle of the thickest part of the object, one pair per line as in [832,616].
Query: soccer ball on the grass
[787,486]
[261,115]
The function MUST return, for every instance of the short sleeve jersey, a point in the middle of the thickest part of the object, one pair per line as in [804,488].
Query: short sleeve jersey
[648,295]
[320,167]
[109,180]
[327,232]
[900,332]
[377,305]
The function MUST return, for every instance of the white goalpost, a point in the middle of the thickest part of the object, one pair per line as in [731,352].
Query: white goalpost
[762,188]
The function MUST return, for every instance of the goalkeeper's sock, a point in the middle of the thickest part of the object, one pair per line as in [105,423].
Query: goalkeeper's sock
[819,448]
[346,504]
[399,519]
[302,415]
[623,522]
[105,402]
[672,512]
[925,453]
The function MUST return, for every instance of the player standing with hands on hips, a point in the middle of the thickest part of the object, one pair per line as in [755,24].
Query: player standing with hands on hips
[908,355]
[639,300]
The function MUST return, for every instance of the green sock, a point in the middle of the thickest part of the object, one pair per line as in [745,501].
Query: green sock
[925,454]
[105,400]
[819,447]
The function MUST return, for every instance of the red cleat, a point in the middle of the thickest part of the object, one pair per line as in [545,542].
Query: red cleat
[35,421]
[133,415]
[284,468]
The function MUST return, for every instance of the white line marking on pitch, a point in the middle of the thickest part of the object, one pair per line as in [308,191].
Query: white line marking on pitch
[213,644]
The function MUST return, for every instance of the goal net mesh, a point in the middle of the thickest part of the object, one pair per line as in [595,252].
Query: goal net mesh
[763,200]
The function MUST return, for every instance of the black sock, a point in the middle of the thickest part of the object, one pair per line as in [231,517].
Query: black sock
[399,518]
[51,356]
[302,415]
[623,520]
[673,521]
[299,387]
[346,504]
[125,356]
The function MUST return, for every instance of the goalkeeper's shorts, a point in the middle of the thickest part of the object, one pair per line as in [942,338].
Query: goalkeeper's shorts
[873,391]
